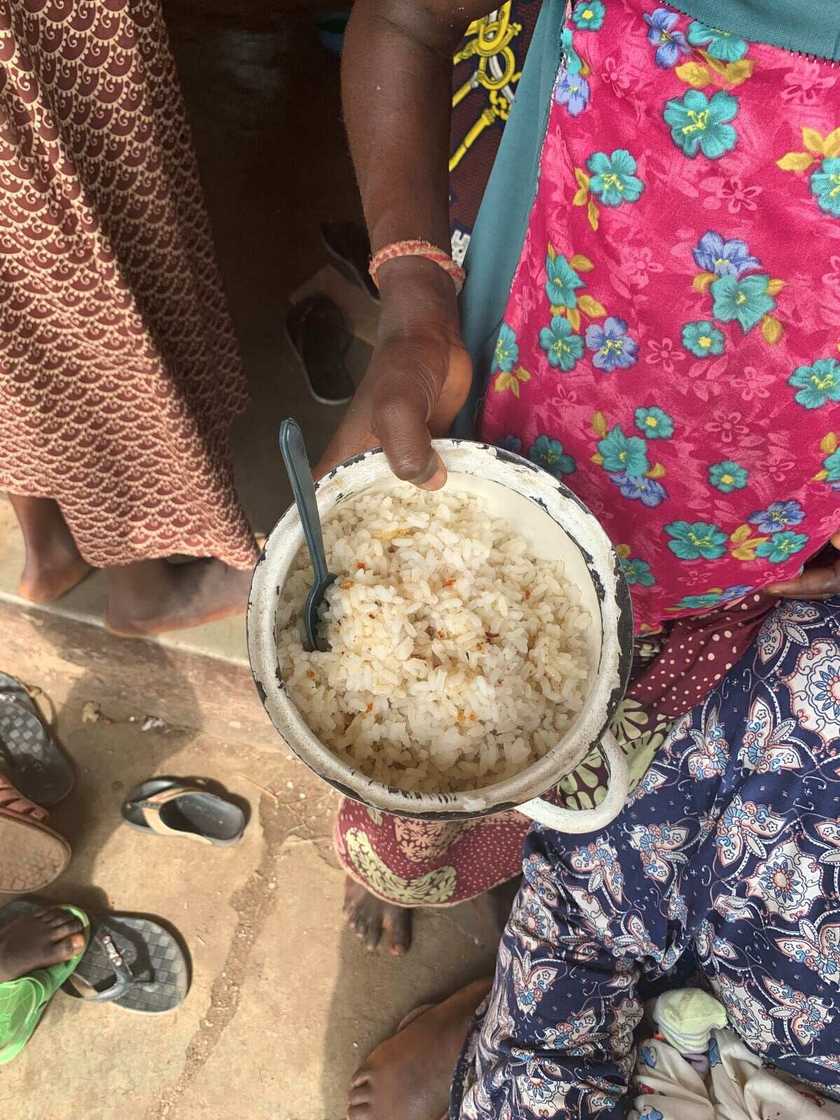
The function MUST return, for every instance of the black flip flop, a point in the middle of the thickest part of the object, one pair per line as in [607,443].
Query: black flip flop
[167,807]
[31,757]
[319,334]
[133,962]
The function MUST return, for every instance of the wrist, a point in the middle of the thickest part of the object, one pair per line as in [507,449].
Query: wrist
[416,291]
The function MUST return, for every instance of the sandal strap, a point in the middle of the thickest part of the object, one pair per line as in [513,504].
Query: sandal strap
[40,700]
[123,976]
[151,809]
[13,801]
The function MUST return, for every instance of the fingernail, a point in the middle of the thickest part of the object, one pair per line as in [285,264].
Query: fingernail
[434,475]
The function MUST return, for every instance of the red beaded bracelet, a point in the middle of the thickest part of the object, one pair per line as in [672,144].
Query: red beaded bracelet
[418,249]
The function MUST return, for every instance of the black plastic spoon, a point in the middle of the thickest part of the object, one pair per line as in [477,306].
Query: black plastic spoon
[294,454]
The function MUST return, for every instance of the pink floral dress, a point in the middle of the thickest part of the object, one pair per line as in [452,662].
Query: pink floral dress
[670,346]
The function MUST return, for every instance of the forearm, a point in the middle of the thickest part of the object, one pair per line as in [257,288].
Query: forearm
[397,79]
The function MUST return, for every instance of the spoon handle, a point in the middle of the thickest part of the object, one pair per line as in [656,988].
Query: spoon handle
[293,450]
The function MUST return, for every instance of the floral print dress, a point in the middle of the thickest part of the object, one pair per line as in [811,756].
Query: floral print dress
[670,346]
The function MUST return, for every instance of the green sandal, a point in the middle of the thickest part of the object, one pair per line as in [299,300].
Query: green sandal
[24,1001]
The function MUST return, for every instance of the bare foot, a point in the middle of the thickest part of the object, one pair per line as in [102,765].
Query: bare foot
[371,919]
[152,596]
[53,565]
[409,1075]
[37,940]
[44,583]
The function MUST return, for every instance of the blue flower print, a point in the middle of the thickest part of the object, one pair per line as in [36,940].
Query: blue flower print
[692,540]
[781,546]
[589,16]
[614,348]
[701,124]
[650,1114]
[614,178]
[712,598]
[506,354]
[777,516]
[511,443]
[746,301]
[728,476]
[548,453]
[640,489]
[572,90]
[571,59]
[703,339]
[722,45]
[817,384]
[637,571]
[624,455]
[561,345]
[647,1056]
[670,44]
[654,423]
[724,258]
[562,281]
[825,186]
[832,466]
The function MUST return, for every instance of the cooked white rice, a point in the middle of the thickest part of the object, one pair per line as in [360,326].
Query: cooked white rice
[457,656]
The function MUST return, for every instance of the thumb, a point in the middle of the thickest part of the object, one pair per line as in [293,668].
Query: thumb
[402,426]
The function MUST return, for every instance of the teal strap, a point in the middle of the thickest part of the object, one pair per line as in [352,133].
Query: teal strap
[804,26]
[502,219]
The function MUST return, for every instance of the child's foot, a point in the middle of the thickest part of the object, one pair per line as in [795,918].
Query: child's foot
[373,920]
[37,940]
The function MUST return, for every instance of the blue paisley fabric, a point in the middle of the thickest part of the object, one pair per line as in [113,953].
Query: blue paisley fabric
[725,860]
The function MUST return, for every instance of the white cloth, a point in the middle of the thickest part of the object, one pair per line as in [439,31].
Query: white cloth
[737,1087]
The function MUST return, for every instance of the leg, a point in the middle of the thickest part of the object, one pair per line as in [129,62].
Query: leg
[53,565]
[408,1076]
[396,865]
[153,596]
[47,937]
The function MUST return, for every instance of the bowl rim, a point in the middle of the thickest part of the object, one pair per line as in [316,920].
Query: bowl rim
[609,680]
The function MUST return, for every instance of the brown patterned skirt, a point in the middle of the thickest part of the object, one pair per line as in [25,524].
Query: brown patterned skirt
[119,373]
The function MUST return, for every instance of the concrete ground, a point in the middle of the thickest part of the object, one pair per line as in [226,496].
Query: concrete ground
[284,1001]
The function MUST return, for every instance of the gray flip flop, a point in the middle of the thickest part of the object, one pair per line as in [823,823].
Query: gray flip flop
[34,761]
[133,962]
[167,807]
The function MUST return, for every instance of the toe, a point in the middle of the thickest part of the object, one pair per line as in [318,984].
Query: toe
[361,1094]
[397,925]
[360,1077]
[367,924]
[67,926]
[372,933]
[68,947]
[360,1111]
[55,915]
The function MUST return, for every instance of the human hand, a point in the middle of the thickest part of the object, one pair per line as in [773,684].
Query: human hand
[820,582]
[418,378]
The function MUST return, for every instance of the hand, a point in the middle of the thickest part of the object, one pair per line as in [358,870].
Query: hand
[822,582]
[418,378]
